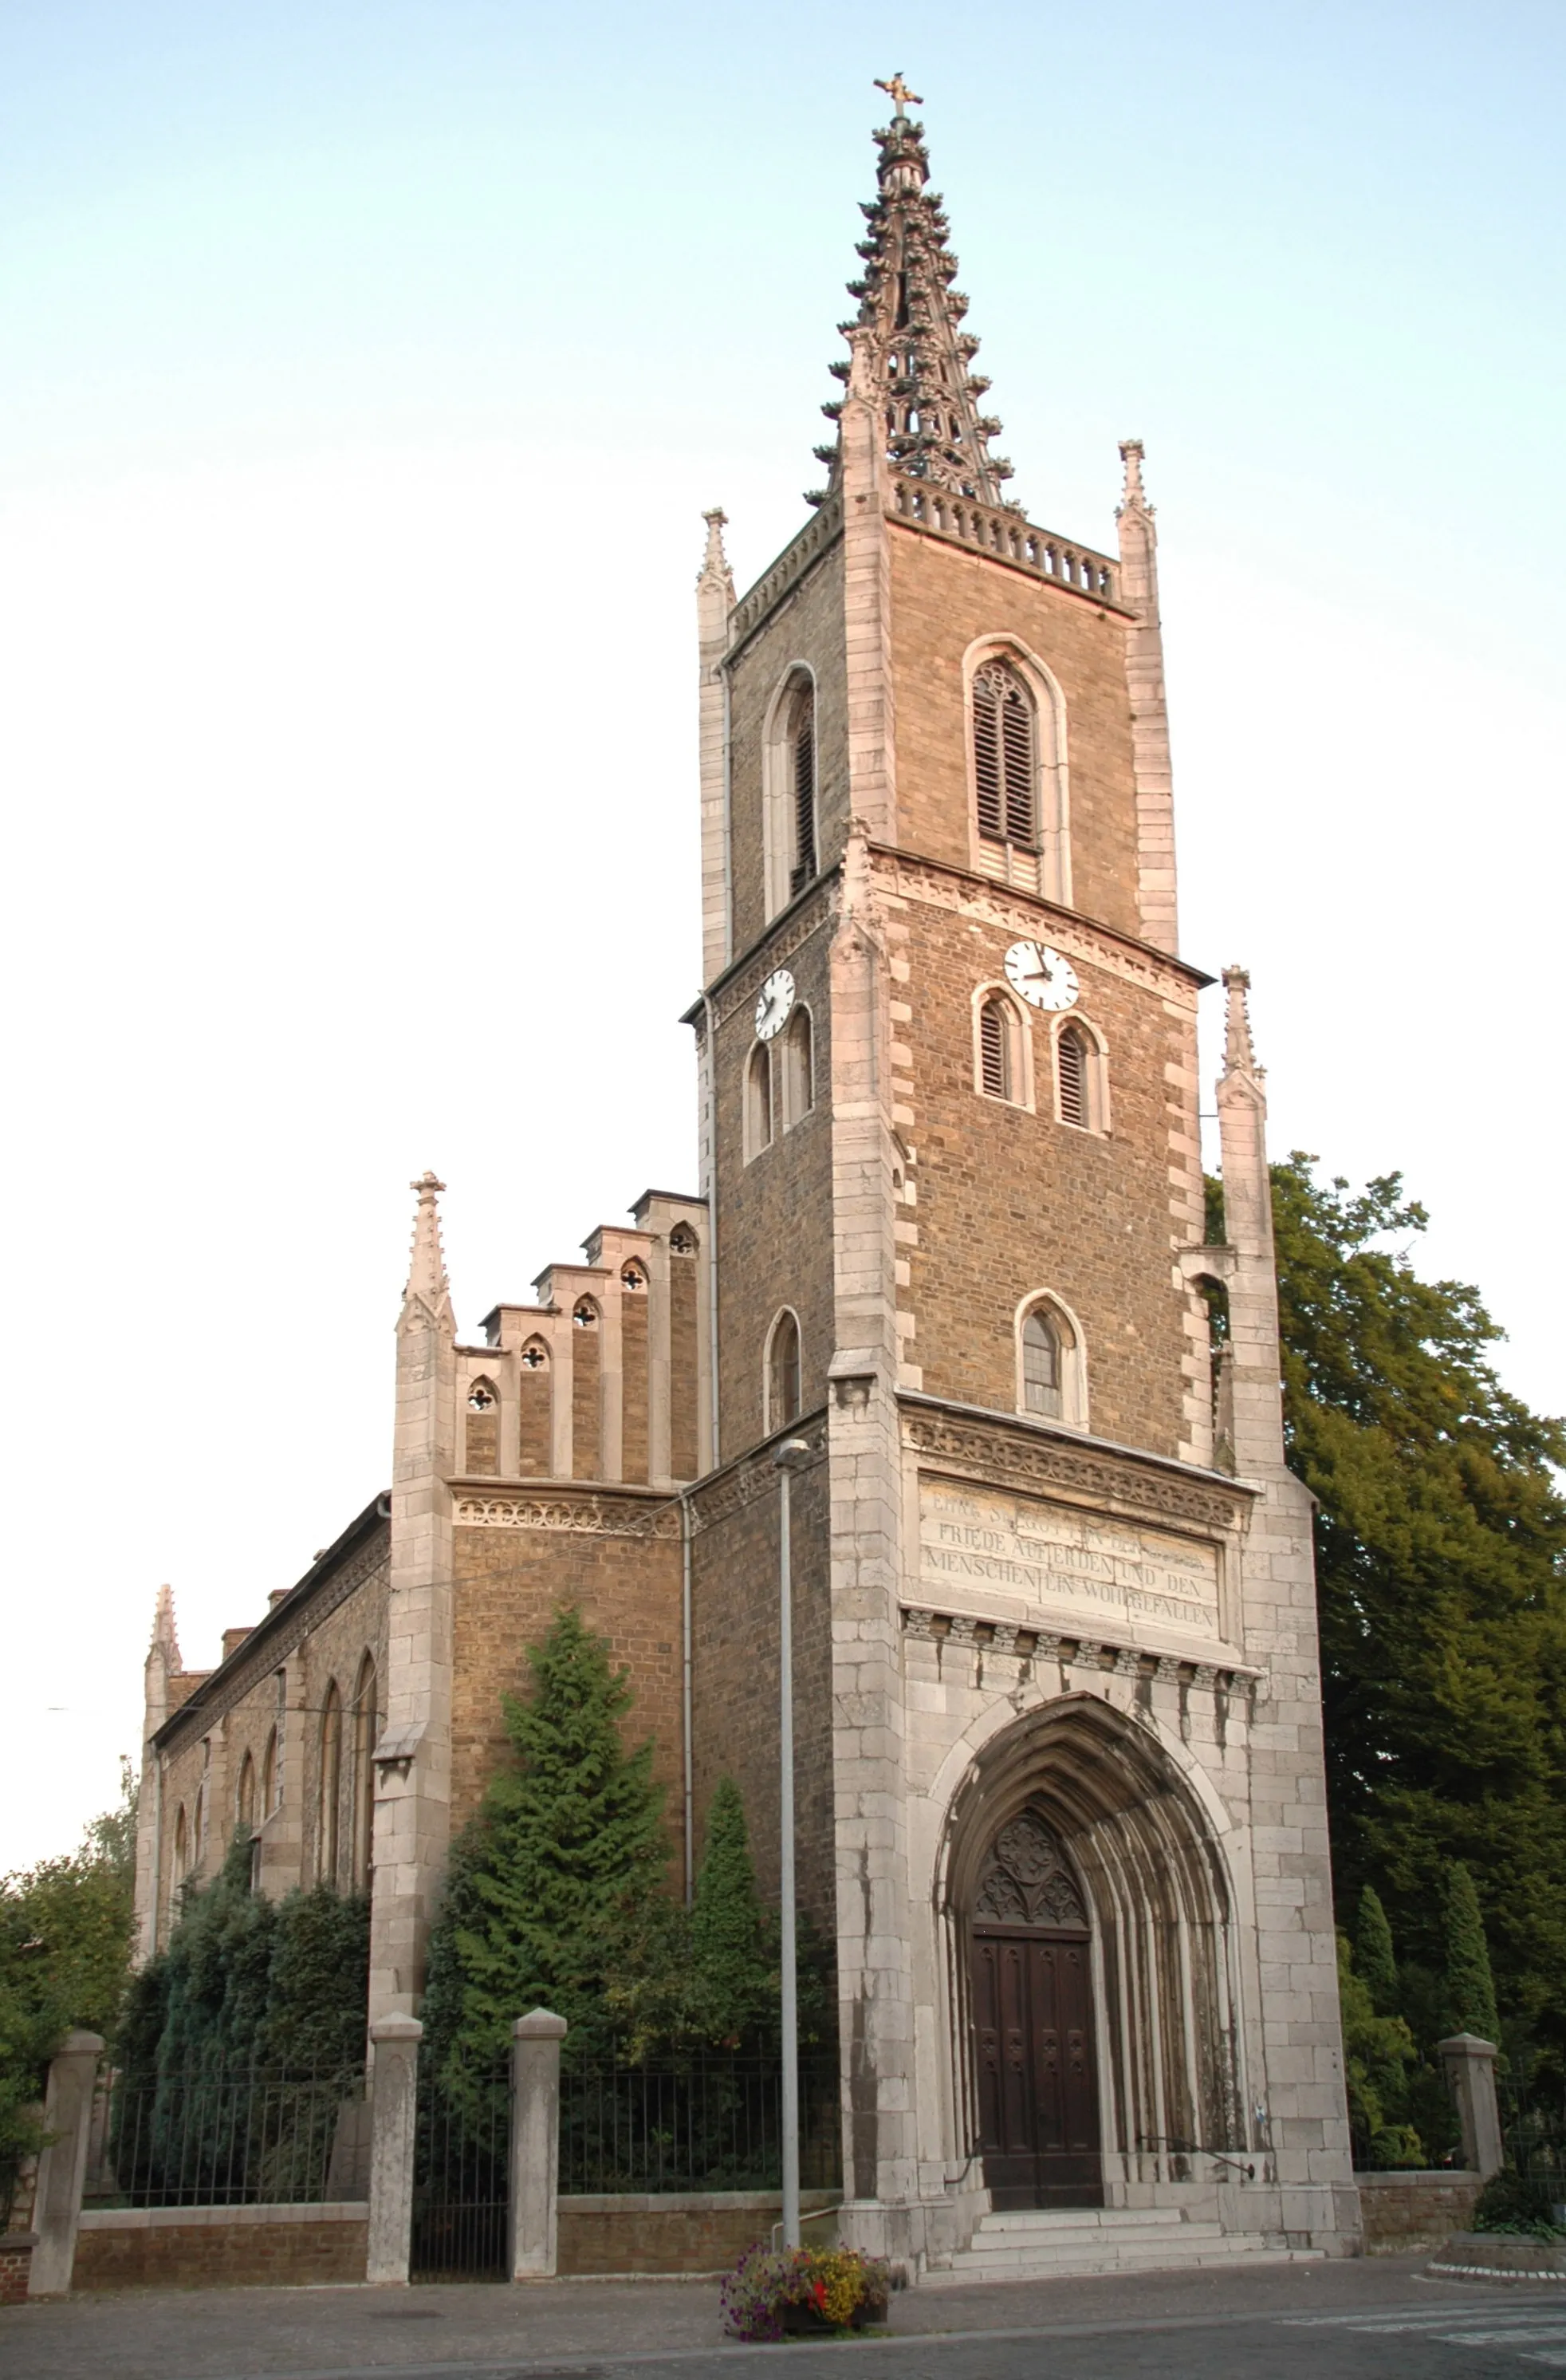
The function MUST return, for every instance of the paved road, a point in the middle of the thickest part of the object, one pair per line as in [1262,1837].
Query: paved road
[1375,2320]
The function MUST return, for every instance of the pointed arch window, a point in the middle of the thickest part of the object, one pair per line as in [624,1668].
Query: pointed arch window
[271,1791]
[758,1100]
[482,1436]
[633,1275]
[1081,1078]
[181,1846]
[798,1056]
[783,1372]
[245,1800]
[1000,1050]
[327,1811]
[1051,1372]
[586,1315]
[792,831]
[1005,756]
[682,1241]
[366,1728]
[1042,1364]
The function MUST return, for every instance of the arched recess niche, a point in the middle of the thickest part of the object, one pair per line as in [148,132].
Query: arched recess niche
[1165,1955]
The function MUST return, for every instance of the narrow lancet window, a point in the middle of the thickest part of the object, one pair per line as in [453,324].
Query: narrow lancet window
[997,1070]
[1042,1364]
[782,1373]
[1004,761]
[804,757]
[1071,1059]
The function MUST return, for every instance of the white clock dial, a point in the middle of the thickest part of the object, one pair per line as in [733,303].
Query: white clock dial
[1043,977]
[776,1000]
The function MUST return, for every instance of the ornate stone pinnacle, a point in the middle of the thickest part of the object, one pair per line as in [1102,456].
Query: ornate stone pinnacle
[910,355]
[1239,1051]
[1134,496]
[427,1273]
[163,1632]
[715,561]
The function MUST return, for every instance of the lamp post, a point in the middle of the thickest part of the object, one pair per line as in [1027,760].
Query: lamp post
[789,1458]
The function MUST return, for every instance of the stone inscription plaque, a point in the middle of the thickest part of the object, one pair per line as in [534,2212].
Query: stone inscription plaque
[1024,1551]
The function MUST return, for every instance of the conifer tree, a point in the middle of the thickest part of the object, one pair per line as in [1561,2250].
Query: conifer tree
[733,1940]
[1374,1957]
[546,1889]
[1470,1984]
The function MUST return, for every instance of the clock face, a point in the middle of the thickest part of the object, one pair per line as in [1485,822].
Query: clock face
[1041,975]
[773,1007]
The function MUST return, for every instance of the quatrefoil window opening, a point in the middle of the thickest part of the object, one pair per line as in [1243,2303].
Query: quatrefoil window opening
[586,1315]
[534,1357]
[480,1399]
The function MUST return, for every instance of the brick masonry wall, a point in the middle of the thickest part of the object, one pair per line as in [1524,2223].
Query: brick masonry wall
[291,2248]
[16,2261]
[534,1422]
[806,626]
[699,2234]
[509,1582]
[332,1651]
[1401,2211]
[633,1393]
[1012,1202]
[775,1213]
[942,598]
[684,1460]
[735,1668]
[587,1418]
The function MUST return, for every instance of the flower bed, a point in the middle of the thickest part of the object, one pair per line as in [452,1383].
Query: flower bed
[768,2296]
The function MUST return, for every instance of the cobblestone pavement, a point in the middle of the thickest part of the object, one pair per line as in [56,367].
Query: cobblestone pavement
[1373,2320]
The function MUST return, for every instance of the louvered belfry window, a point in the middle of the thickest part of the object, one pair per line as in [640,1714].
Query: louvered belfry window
[1003,756]
[1072,1061]
[994,1051]
[803,867]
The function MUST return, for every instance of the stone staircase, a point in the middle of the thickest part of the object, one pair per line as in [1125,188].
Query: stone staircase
[1044,2243]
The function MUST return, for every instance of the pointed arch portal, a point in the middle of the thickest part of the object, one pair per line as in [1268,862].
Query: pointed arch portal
[1091,1959]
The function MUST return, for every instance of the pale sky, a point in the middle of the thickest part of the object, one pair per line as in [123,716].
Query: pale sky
[367,365]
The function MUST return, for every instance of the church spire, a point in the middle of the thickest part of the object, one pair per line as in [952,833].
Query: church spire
[909,344]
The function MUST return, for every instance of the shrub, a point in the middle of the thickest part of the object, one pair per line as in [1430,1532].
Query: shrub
[838,2285]
[1518,2204]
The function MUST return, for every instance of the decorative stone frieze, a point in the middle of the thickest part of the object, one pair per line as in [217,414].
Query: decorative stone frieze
[994,1449]
[590,1515]
[784,944]
[1011,911]
[965,1629]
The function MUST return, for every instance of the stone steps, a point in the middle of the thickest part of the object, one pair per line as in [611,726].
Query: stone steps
[1046,2242]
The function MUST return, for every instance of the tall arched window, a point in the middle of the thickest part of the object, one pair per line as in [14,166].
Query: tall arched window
[245,1801]
[366,1728]
[783,1372]
[181,1846]
[759,1101]
[798,1058]
[1081,1078]
[789,795]
[1005,759]
[1000,1053]
[327,1814]
[270,1780]
[802,738]
[1043,1365]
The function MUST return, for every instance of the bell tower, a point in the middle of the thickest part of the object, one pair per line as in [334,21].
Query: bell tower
[952,1156]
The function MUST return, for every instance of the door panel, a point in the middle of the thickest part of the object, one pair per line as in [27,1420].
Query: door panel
[1034,2063]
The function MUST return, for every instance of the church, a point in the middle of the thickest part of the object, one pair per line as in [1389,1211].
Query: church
[1060,1801]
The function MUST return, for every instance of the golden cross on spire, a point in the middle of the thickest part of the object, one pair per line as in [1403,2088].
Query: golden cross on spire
[898,91]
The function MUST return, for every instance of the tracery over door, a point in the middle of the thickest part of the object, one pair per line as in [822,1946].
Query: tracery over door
[1032,2002]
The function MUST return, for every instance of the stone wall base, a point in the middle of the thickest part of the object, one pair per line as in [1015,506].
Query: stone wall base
[699,2231]
[1405,2211]
[217,2247]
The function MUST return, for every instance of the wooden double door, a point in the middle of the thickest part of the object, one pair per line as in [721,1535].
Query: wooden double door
[1034,2067]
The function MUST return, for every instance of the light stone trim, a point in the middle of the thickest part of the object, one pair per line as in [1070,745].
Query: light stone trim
[936,885]
[591,1515]
[815,911]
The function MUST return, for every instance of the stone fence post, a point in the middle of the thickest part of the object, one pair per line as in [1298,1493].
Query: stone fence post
[62,2168]
[1470,2071]
[394,2103]
[534,2141]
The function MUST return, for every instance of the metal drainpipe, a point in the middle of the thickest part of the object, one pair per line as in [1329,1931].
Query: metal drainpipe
[711,1230]
[689,1746]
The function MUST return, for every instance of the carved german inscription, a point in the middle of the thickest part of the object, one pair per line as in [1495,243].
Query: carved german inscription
[1021,1551]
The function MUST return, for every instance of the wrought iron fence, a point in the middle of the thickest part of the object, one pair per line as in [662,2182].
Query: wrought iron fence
[235,2137]
[695,2123]
[1533,2128]
[461,2152]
